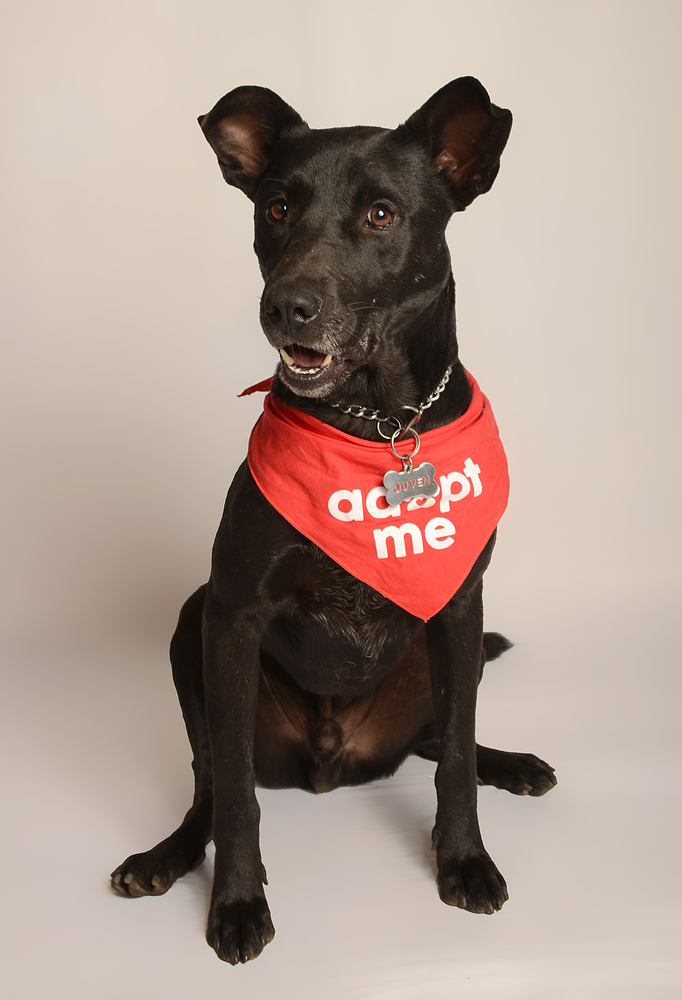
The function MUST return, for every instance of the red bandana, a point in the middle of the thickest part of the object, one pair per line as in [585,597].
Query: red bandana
[328,485]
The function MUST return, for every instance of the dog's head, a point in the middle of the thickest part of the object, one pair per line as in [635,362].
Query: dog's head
[350,225]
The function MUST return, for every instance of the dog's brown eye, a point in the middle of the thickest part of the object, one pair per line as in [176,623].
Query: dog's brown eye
[278,211]
[380,216]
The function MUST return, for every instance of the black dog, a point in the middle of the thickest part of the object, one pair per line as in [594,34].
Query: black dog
[290,671]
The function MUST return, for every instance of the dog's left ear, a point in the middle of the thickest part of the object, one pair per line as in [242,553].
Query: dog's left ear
[464,134]
[243,129]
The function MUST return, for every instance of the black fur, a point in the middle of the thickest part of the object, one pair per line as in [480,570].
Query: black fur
[290,672]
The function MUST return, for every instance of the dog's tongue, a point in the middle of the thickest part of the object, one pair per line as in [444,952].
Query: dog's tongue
[304,357]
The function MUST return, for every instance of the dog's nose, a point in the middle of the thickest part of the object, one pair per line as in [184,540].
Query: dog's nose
[290,307]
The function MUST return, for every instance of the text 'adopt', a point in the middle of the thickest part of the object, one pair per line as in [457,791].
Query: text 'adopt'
[438,531]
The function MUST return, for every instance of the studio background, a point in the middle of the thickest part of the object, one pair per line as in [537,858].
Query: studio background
[130,301]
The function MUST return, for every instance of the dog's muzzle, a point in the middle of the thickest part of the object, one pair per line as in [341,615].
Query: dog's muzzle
[309,329]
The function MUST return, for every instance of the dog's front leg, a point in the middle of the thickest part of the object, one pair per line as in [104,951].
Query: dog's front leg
[467,876]
[239,923]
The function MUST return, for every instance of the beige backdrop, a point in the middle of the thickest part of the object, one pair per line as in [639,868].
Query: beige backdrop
[130,325]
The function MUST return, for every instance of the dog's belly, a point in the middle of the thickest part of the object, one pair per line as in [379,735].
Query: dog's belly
[320,742]
[334,635]
[344,689]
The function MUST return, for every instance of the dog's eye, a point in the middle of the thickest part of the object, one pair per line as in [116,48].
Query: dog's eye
[278,211]
[379,216]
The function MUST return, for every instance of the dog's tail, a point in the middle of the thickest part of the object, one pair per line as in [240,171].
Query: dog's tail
[495,645]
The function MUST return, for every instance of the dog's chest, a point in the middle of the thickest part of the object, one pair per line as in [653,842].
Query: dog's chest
[333,634]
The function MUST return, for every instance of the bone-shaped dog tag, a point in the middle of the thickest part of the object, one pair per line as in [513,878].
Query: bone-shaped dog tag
[420,482]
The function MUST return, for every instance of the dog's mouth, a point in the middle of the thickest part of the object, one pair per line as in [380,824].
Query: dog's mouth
[308,372]
[304,361]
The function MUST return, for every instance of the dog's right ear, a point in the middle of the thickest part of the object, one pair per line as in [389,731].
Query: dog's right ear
[243,129]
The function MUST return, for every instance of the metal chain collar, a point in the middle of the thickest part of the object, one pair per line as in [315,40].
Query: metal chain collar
[399,429]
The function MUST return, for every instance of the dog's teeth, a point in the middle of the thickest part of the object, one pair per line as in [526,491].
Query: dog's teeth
[298,369]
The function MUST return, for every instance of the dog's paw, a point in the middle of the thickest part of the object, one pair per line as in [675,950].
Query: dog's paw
[152,873]
[239,931]
[473,883]
[520,773]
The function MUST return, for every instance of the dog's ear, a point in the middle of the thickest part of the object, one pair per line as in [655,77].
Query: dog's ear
[464,134]
[243,129]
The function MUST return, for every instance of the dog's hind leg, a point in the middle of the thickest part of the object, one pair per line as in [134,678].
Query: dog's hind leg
[153,872]
[519,773]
